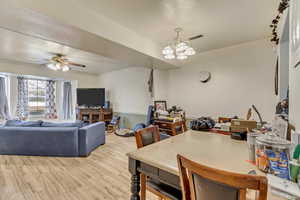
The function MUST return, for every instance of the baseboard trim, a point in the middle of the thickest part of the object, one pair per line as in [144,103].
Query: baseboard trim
[129,120]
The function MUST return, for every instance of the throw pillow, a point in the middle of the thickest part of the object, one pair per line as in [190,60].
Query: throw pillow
[77,124]
[20,123]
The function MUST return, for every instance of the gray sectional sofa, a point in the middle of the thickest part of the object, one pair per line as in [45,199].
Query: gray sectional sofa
[38,138]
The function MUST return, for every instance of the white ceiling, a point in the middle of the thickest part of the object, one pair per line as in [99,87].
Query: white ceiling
[98,33]
[33,37]
[18,47]
[223,22]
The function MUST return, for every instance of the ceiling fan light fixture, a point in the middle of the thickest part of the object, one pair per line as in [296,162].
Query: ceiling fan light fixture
[52,66]
[65,68]
[60,62]
[58,66]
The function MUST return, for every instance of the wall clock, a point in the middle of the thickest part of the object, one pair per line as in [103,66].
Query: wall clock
[205,76]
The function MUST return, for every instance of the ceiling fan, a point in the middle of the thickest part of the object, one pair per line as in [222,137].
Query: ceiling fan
[180,48]
[61,62]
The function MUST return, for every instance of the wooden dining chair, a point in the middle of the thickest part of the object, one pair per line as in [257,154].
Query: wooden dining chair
[143,138]
[205,183]
[147,136]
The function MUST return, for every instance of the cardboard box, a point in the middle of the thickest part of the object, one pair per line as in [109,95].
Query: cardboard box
[240,125]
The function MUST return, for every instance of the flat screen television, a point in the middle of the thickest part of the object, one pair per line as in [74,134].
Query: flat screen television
[91,97]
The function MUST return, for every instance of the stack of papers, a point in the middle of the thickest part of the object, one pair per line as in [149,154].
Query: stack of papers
[283,187]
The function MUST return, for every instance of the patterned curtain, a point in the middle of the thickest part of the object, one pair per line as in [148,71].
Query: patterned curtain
[51,112]
[67,101]
[4,111]
[22,105]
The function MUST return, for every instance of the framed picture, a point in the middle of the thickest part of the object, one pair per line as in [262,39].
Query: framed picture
[160,105]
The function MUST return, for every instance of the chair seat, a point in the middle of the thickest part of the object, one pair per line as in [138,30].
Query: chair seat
[168,191]
[164,136]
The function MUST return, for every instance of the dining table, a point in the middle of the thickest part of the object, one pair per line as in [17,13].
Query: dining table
[159,160]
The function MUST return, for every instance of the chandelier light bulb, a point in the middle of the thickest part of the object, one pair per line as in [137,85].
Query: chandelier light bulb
[180,48]
[190,51]
[181,44]
[170,56]
[167,50]
[182,57]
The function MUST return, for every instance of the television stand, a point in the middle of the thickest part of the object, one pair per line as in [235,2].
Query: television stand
[90,115]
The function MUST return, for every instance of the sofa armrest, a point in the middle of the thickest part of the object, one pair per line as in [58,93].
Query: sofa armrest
[90,137]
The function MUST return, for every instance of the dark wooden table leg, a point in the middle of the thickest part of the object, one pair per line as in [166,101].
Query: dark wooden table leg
[135,179]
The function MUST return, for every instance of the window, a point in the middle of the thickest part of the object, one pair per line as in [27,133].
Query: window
[5,106]
[36,98]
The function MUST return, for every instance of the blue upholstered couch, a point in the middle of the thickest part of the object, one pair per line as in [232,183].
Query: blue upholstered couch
[50,139]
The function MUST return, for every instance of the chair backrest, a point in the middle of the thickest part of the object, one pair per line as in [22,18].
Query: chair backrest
[149,118]
[179,127]
[205,183]
[146,136]
[115,120]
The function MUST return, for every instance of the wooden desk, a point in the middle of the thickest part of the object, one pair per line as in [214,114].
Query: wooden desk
[95,115]
[159,160]
[168,127]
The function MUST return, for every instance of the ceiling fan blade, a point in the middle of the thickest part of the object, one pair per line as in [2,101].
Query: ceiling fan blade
[196,37]
[53,54]
[46,60]
[61,55]
[76,64]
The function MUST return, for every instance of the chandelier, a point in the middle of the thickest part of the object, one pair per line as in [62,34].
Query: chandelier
[179,48]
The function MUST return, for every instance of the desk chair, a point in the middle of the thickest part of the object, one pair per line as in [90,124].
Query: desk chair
[205,183]
[143,138]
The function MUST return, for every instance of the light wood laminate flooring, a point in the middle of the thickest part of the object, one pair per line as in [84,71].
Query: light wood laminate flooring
[101,176]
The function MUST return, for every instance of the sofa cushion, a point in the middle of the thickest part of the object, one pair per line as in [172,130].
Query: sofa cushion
[20,123]
[77,124]
[39,141]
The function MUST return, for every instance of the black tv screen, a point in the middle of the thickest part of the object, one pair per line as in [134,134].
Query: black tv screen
[91,96]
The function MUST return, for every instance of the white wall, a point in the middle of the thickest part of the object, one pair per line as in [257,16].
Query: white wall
[294,73]
[283,57]
[241,76]
[294,97]
[161,84]
[283,74]
[128,89]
